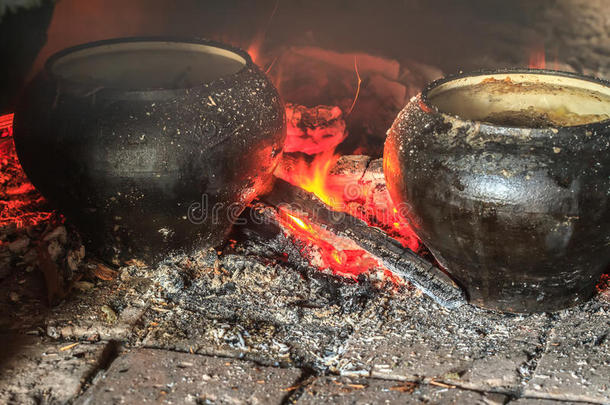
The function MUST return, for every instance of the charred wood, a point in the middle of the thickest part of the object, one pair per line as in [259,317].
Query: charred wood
[401,261]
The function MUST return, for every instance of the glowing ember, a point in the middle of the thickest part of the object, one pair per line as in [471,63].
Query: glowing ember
[341,256]
[6,125]
[20,203]
[400,229]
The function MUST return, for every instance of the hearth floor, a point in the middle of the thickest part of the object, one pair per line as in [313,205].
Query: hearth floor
[239,329]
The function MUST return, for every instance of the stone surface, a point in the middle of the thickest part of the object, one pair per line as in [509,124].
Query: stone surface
[106,311]
[341,390]
[35,371]
[575,365]
[147,375]
[468,347]
[537,401]
[260,304]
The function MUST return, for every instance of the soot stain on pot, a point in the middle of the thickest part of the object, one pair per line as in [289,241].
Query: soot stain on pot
[497,205]
[139,160]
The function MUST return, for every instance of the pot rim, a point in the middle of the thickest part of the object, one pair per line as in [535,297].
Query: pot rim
[153,93]
[482,72]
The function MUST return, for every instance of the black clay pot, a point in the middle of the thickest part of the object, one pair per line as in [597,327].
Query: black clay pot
[505,176]
[150,145]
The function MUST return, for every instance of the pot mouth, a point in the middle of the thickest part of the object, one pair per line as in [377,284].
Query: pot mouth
[522,98]
[145,64]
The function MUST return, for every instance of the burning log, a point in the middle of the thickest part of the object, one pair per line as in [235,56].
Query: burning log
[308,213]
[366,196]
[354,184]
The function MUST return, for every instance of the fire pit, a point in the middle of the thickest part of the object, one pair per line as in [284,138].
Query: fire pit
[322,291]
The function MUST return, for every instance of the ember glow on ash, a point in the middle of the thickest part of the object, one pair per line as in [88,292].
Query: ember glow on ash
[341,256]
[6,125]
[20,204]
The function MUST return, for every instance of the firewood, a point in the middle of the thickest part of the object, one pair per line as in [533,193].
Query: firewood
[401,261]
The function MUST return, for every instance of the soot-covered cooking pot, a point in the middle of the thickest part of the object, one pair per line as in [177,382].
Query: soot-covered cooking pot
[505,176]
[150,145]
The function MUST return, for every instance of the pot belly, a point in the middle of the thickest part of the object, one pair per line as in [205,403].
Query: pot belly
[515,241]
[147,172]
[505,176]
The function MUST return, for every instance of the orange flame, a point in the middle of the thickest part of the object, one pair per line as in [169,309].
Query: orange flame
[255,47]
[257,43]
[314,178]
[537,57]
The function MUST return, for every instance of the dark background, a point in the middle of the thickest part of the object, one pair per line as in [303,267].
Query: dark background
[451,35]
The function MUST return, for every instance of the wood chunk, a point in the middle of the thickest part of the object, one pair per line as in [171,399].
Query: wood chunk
[400,261]
[52,276]
[38,371]
[351,166]
[314,76]
[104,272]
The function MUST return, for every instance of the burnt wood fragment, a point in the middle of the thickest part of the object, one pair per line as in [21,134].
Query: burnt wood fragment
[399,260]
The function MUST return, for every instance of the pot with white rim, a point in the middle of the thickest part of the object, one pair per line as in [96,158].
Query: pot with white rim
[150,145]
[505,176]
